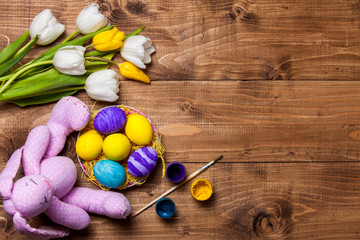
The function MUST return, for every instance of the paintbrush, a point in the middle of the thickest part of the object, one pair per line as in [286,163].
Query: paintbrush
[178,185]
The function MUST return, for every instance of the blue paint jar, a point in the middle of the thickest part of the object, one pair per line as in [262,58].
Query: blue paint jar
[165,208]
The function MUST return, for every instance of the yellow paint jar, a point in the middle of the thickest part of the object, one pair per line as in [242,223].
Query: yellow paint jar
[201,189]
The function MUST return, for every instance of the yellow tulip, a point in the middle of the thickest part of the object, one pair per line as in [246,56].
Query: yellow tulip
[129,70]
[108,40]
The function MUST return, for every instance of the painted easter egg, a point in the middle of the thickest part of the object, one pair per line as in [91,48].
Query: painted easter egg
[139,130]
[110,120]
[109,173]
[142,161]
[116,146]
[89,145]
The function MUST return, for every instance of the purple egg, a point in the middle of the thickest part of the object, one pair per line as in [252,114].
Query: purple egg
[142,161]
[110,120]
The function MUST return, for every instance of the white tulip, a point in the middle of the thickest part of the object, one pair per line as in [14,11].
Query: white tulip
[90,19]
[137,50]
[70,60]
[103,85]
[47,27]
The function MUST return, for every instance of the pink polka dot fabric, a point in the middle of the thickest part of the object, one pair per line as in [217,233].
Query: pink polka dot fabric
[67,215]
[35,148]
[68,115]
[111,204]
[49,179]
[62,173]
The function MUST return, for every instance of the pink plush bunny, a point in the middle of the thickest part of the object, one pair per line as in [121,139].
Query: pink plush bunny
[49,179]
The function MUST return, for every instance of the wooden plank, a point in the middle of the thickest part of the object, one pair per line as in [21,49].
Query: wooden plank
[250,201]
[233,39]
[244,120]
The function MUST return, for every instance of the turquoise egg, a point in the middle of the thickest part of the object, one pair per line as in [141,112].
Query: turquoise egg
[109,173]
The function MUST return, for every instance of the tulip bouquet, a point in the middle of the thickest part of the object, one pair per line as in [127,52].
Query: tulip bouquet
[69,67]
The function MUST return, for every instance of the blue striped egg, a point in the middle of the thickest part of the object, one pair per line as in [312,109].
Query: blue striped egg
[142,161]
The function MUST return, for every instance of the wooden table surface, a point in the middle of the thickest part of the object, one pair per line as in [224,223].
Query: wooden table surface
[272,85]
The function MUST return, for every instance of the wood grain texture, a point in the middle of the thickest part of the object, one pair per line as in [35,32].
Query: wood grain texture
[249,121]
[196,40]
[273,138]
[271,85]
[250,201]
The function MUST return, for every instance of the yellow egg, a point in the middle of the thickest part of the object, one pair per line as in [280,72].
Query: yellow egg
[89,145]
[116,146]
[138,129]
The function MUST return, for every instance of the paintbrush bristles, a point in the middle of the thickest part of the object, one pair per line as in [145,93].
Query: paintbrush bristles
[178,185]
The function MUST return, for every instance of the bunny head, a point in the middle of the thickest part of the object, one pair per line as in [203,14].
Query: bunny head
[32,195]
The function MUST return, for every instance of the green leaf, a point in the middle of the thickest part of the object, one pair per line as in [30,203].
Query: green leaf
[95,66]
[5,66]
[98,67]
[11,49]
[97,53]
[136,32]
[42,99]
[41,83]
[49,54]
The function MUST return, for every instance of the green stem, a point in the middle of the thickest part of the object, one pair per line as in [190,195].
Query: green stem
[71,36]
[89,46]
[101,59]
[2,89]
[6,77]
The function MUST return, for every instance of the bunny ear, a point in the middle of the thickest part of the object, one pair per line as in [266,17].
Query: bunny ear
[9,173]
[41,233]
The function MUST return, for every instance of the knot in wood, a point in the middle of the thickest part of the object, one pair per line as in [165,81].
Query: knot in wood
[187,107]
[237,13]
[240,12]
[136,7]
[104,7]
[272,221]
[267,224]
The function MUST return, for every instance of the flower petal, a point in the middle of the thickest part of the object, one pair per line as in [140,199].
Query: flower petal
[102,94]
[150,50]
[134,60]
[90,19]
[147,58]
[103,85]
[47,26]
[70,60]
[134,41]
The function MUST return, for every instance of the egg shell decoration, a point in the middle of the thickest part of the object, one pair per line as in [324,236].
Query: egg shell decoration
[89,145]
[109,120]
[109,173]
[138,129]
[142,161]
[116,146]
